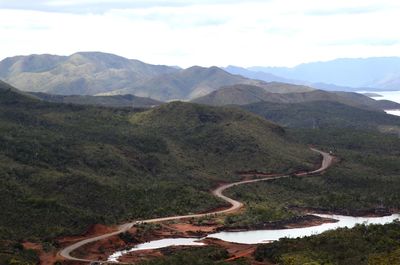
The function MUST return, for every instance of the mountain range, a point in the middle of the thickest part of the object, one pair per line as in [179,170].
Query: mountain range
[185,84]
[381,73]
[84,73]
[95,73]
[260,73]
[247,94]
[66,167]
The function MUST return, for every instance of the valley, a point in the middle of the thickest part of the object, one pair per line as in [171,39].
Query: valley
[176,132]
[232,154]
[235,206]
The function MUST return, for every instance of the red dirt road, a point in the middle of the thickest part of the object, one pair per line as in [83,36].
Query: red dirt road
[327,161]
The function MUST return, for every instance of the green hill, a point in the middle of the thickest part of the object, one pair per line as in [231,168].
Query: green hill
[64,167]
[323,114]
[11,94]
[363,245]
[221,136]
[243,94]
[288,93]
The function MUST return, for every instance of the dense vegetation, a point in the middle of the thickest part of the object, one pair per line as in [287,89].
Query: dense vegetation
[366,179]
[324,114]
[362,245]
[106,101]
[65,167]
[209,255]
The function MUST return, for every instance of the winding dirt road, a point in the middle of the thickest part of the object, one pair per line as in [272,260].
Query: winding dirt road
[327,160]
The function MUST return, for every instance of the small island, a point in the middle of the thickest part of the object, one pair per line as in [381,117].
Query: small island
[372,95]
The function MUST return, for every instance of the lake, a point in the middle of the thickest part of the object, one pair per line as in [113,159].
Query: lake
[388,95]
[261,236]
[156,244]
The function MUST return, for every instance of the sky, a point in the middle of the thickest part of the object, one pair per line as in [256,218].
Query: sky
[206,33]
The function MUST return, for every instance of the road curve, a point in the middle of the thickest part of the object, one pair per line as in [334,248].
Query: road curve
[327,160]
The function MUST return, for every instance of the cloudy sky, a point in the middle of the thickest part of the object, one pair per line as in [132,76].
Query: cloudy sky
[189,32]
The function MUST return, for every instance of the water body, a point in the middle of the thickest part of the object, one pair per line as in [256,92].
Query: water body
[393,112]
[262,236]
[388,95]
[156,244]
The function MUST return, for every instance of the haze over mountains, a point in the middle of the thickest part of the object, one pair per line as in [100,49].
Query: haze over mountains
[380,72]
[121,82]
[68,166]
[84,73]
[186,83]
[246,94]
[96,73]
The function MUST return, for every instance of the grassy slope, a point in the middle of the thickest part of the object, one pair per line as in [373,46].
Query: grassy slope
[64,167]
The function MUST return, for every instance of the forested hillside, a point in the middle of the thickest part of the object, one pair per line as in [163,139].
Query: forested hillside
[324,114]
[66,167]
[106,101]
[362,245]
[364,181]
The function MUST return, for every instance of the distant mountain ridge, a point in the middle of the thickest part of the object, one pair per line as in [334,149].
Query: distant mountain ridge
[96,73]
[375,72]
[185,83]
[259,75]
[242,94]
[83,73]
[245,94]
[268,77]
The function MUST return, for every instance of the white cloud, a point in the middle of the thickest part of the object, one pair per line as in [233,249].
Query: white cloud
[276,32]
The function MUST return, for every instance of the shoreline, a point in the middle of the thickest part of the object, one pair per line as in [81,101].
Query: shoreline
[184,229]
[66,252]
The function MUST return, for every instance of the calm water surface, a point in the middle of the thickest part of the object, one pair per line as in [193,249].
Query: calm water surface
[168,242]
[260,236]
[388,95]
